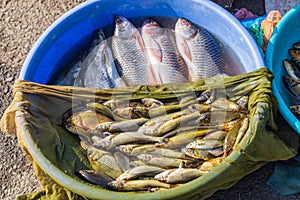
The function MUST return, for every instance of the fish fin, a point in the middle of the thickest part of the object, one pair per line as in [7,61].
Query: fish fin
[153,48]
[139,41]
[186,50]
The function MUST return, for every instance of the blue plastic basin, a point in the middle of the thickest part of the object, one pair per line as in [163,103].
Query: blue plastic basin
[286,33]
[62,41]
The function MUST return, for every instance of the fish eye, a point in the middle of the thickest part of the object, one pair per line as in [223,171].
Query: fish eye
[184,22]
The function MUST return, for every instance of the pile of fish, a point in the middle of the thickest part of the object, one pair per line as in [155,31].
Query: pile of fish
[155,144]
[153,55]
[292,79]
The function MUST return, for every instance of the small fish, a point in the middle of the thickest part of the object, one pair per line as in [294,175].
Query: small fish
[102,161]
[293,86]
[291,69]
[152,103]
[199,50]
[215,135]
[242,131]
[127,125]
[133,137]
[231,136]
[185,138]
[139,171]
[96,178]
[166,62]
[217,117]
[197,153]
[130,56]
[85,119]
[135,150]
[137,185]
[160,161]
[211,164]
[98,69]
[103,110]
[225,104]
[179,175]
[203,144]
[132,112]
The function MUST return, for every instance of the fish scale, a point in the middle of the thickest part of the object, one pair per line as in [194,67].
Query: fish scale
[205,55]
[175,70]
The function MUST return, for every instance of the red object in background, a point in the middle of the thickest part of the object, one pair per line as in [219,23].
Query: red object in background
[243,13]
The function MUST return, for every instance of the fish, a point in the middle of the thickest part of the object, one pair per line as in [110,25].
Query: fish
[242,131]
[199,50]
[225,104]
[211,164]
[185,138]
[179,175]
[135,150]
[217,117]
[160,161]
[131,137]
[128,125]
[293,86]
[291,69]
[98,69]
[95,177]
[130,55]
[144,170]
[215,135]
[102,161]
[137,185]
[198,153]
[152,103]
[203,144]
[132,112]
[231,136]
[166,62]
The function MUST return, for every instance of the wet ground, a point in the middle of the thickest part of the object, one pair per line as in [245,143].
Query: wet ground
[22,22]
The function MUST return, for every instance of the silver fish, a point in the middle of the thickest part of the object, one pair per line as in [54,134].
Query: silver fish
[166,62]
[179,175]
[291,69]
[143,170]
[199,50]
[130,56]
[292,85]
[96,178]
[98,69]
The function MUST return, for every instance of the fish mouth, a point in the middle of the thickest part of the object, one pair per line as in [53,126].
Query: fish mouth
[119,20]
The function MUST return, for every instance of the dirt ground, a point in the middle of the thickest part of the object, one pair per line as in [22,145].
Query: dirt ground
[22,22]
